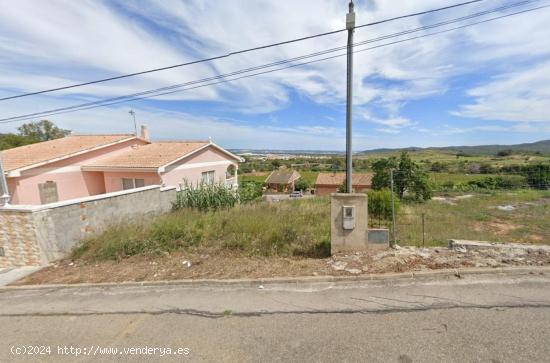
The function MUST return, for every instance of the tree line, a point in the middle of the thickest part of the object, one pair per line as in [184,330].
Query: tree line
[31,133]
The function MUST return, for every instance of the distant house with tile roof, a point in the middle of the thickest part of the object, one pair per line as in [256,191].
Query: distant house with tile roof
[282,180]
[328,183]
[83,165]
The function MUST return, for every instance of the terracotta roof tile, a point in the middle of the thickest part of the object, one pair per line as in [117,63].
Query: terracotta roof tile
[282,176]
[338,179]
[152,155]
[24,156]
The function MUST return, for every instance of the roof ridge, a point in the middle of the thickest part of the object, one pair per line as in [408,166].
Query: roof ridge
[180,141]
[121,134]
[57,149]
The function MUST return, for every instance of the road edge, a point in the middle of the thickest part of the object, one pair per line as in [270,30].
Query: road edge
[387,278]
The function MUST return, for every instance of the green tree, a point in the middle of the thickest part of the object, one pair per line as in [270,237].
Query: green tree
[408,177]
[42,131]
[381,168]
[301,184]
[380,204]
[8,141]
[336,164]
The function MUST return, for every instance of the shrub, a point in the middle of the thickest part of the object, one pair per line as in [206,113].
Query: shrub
[486,168]
[499,182]
[301,184]
[205,197]
[439,167]
[538,176]
[380,204]
[250,191]
[503,153]
[448,185]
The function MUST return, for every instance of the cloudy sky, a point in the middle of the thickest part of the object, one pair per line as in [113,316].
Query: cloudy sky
[489,83]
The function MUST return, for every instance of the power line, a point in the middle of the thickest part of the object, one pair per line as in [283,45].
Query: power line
[96,103]
[236,52]
[143,95]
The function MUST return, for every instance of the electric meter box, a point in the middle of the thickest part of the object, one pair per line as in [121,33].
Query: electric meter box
[348,217]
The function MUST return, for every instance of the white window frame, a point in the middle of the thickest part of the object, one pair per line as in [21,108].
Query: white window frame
[134,183]
[208,177]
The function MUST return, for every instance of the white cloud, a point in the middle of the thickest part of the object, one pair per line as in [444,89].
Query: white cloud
[393,124]
[50,43]
[517,96]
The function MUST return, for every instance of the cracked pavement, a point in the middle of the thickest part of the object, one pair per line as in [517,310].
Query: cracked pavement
[494,318]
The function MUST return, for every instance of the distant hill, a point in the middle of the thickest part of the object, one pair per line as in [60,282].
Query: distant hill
[542,147]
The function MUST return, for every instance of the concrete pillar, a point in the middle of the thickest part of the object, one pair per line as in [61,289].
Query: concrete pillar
[349,222]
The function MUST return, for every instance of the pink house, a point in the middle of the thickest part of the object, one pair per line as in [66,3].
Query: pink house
[84,165]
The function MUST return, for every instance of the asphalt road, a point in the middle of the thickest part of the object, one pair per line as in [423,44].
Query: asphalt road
[497,319]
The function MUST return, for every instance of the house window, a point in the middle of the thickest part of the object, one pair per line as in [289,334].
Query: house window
[48,192]
[139,183]
[131,183]
[208,177]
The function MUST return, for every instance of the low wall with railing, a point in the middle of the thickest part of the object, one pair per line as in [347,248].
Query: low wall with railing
[37,235]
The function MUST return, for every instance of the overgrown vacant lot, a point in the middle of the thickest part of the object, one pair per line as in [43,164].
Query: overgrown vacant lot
[289,239]
[301,228]
[515,216]
[294,228]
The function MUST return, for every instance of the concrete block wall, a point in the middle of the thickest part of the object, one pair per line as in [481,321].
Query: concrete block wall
[40,234]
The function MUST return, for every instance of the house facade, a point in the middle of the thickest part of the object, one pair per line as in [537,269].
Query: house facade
[282,180]
[328,183]
[85,165]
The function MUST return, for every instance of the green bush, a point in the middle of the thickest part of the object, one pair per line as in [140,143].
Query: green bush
[448,185]
[538,176]
[250,191]
[498,182]
[205,197]
[301,185]
[380,204]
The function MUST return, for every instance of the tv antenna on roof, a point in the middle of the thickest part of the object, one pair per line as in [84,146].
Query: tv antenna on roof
[131,112]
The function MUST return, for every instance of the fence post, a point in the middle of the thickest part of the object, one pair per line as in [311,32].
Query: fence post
[423,230]
[394,227]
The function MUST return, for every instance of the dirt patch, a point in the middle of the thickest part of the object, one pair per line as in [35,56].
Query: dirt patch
[540,202]
[229,266]
[499,228]
[453,200]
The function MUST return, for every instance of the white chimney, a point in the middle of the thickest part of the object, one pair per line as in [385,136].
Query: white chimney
[145,132]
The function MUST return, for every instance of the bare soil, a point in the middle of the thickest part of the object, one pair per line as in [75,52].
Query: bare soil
[218,265]
[498,228]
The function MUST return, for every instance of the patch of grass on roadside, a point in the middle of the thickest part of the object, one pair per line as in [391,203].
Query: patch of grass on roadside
[292,228]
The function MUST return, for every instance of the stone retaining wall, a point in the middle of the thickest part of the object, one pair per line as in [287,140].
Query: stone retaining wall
[36,235]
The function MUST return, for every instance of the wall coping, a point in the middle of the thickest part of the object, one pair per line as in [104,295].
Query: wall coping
[37,208]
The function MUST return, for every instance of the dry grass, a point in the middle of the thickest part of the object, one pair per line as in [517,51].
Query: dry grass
[301,228]
[479,218]
[293,228]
